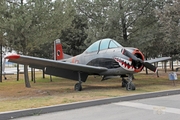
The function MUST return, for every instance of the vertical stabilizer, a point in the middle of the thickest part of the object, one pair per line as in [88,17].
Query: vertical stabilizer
[58,51]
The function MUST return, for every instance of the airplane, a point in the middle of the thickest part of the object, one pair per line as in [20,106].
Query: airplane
[105,57]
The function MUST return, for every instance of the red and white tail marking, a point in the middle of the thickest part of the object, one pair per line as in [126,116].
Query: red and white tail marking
[58,51]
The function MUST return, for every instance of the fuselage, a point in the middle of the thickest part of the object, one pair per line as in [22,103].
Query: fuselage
[108,53]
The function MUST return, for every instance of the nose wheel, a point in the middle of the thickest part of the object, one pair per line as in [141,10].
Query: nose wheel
[130,86]
[128,83]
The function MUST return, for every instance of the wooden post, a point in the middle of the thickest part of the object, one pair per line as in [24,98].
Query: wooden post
[34,75]
[1,63]
[26,77]
[146,71]
[157,73]
[146,68]
[17,72]
[165,67]
[172,65]
[50,78]
[43,73]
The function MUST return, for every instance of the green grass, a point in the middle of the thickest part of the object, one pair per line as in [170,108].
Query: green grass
[15,96]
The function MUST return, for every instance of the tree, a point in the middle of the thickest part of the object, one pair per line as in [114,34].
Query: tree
[114,19]
[29,24]
[1,36]
[169,20]
[3,14]
[73,37]
[59,17]
[42,51]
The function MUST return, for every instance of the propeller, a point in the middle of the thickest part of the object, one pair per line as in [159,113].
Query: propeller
[133,57]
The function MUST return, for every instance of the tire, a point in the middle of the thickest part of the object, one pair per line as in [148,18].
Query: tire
[130,86]
[77,87]
[123,84]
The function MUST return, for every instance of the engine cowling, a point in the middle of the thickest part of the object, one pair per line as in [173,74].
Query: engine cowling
[137,64]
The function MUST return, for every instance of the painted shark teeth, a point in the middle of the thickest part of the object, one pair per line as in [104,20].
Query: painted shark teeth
[126,64]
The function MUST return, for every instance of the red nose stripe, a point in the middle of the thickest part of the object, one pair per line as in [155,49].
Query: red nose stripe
[11,57]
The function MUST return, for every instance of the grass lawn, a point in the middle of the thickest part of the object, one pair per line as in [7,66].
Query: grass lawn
[15,96]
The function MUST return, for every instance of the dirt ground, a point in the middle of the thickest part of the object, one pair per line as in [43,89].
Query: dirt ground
[14,95]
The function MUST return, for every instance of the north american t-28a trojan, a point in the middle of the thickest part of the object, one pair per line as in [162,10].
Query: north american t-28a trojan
[105,57]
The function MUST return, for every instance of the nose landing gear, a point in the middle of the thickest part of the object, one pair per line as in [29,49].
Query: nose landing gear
[130,86]
[128,83]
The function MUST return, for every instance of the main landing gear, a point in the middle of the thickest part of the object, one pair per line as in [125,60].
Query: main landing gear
[78,86]
[128,83]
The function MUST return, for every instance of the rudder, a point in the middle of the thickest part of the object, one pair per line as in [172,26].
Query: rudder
[58,51]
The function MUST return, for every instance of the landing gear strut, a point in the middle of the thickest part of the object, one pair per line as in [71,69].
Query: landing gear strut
[128,83]
[77,86]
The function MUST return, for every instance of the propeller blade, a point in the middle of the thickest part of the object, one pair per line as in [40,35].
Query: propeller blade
[130,55]
[150,66]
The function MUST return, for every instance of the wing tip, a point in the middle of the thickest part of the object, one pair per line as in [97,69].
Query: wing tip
[12,57]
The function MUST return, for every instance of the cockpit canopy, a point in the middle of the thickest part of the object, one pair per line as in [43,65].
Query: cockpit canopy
[102,45]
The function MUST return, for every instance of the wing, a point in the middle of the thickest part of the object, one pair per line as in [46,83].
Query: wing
[148,64]
[41,62]
[158,59]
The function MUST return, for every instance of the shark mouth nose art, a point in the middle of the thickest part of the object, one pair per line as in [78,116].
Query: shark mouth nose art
[130,64]
[126,64]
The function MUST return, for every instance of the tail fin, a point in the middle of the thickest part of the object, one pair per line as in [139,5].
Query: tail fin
[58,51]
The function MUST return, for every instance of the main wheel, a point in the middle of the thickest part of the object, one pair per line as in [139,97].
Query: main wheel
[78,87]
[124,82]
[130,86]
